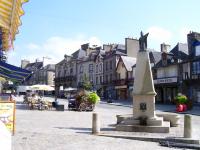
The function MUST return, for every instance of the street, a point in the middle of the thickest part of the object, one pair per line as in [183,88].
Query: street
[57,130]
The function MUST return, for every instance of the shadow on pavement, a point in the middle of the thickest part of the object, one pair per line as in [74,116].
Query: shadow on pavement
[21,106]
[84,130]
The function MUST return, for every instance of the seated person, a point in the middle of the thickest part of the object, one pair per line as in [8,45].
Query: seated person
[55,103]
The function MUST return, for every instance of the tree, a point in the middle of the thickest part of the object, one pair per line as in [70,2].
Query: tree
[86,84]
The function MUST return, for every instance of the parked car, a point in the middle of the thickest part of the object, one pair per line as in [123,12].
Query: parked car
[73,104]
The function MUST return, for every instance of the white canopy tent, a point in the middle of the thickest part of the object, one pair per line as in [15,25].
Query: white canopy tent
[42,87]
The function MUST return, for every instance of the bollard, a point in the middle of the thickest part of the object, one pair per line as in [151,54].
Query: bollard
[187,126]
[95,124]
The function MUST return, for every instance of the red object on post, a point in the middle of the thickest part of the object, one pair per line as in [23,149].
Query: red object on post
[184,107]
[179,108]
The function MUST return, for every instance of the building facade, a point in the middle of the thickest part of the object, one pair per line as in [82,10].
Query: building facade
[191,69]
[34,68]
[109,72]
[125,77]
[167,72]
[65,75]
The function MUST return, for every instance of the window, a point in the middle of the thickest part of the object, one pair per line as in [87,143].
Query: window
[111,65]
[196,67]
[197,50]
[65,73]
[118,76]
[71,70]
[97,68]
[100,67]
[59,73]
[81,69]
[110,77]
[90,78]
[106,65]
[90,67]
[106,78]
[96,80]
[81,79]
[100,79]
[71,65]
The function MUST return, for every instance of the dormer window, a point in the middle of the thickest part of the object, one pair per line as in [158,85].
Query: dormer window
[197,50]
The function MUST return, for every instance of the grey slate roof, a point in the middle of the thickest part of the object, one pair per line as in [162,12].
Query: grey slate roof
[50,67]
[180,51]
[128,62]
[155,56]
[34,66]
[75,54]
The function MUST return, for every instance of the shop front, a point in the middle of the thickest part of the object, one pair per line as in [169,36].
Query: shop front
[121,92]
[166,89]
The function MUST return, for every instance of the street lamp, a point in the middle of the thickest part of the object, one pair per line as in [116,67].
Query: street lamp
[43,58]
[45,75]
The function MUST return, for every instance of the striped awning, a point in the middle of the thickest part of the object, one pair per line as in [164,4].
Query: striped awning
[10,13]
[13,73]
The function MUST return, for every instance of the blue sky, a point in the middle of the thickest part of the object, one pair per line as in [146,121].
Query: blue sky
[54,28]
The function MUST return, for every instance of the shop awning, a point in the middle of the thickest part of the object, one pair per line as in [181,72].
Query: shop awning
[10,13]
[13,73]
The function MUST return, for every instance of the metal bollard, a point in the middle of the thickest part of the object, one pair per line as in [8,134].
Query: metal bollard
[187,126]
[95,124]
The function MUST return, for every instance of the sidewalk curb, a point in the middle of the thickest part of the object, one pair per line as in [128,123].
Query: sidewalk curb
[116,104]
[154,139]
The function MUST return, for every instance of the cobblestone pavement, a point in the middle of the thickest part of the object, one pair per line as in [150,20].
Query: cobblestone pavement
[55,130]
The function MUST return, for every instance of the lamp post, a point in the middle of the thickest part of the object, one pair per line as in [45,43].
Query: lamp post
[45,57]
[45,75]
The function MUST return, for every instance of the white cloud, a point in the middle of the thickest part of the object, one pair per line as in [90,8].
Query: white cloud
[32,46]
[159,34]
[54,47]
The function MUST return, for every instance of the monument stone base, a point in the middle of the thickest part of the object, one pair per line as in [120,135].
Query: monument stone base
[140,128]
[153,125]
[128,123]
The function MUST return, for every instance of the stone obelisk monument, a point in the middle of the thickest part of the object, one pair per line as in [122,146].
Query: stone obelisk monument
[144,92]
[143,118]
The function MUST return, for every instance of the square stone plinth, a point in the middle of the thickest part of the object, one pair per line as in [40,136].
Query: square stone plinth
[139,128]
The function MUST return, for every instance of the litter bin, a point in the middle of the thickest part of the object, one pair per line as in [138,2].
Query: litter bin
[60,107]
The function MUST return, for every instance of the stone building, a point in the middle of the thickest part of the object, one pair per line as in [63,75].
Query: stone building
[91,68]
[40,74]
[109,69]
[124,77]
[190,69]
[34,68]
[166,72]
[46,75]
[98,77]
[66,70]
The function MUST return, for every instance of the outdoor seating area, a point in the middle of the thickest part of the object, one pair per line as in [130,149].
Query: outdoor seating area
[37,102]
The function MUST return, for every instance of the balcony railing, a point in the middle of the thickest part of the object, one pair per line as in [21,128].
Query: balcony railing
[194,76]
[123,81]
[67,78]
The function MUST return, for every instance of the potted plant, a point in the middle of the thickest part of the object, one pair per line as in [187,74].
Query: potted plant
[181,102]
[93,98]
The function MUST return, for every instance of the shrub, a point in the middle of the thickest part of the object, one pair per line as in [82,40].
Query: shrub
[81,96]
[181,99]
[93,98]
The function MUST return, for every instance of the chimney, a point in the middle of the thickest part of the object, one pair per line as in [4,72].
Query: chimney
[85,46]
[24,63]
[132,47]
[67,57]
[165,47]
